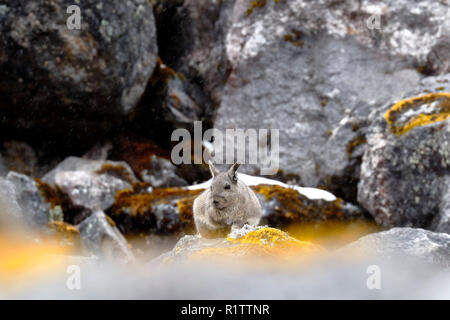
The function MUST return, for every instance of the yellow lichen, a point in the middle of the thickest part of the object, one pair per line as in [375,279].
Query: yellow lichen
[440,112]
[295,207]
[262,243]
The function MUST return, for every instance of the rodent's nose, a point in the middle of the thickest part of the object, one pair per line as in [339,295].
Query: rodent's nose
[215,201]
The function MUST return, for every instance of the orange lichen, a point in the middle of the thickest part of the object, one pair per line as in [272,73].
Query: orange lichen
[134,210]
[116,170]
[53,195]
[139,203]
[440,112]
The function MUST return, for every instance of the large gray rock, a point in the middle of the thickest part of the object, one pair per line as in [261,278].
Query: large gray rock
[101,237]
[406,165]
[407,244]
[192,41]
[53,78]
[315,70]
[92,184]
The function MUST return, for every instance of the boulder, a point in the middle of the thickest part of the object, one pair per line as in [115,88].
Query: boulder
[244,245]
[406,165]
[315,70]
[404,244]
[73,82]
[101,237]
[91,184]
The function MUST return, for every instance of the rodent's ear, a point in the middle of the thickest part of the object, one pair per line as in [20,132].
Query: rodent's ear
[232,172]
[214,171]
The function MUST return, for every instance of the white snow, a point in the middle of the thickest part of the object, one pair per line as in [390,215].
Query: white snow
[311,193]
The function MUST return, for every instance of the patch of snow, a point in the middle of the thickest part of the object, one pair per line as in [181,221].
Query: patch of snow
[311,193]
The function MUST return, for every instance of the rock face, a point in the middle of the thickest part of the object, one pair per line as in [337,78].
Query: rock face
[250,242]
[315,70]
[91,184]
[406,165]
[406,243]
[53,78]
[101,237]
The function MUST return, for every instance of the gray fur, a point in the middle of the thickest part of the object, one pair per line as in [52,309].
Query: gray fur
[217,210]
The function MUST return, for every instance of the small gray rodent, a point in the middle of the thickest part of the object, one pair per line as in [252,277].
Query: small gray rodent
[227,204]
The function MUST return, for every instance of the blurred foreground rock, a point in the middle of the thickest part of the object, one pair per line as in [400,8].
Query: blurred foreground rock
[101,237]
[404,244]
[406,165]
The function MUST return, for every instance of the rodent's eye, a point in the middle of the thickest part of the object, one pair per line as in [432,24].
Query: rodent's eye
[227,187]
